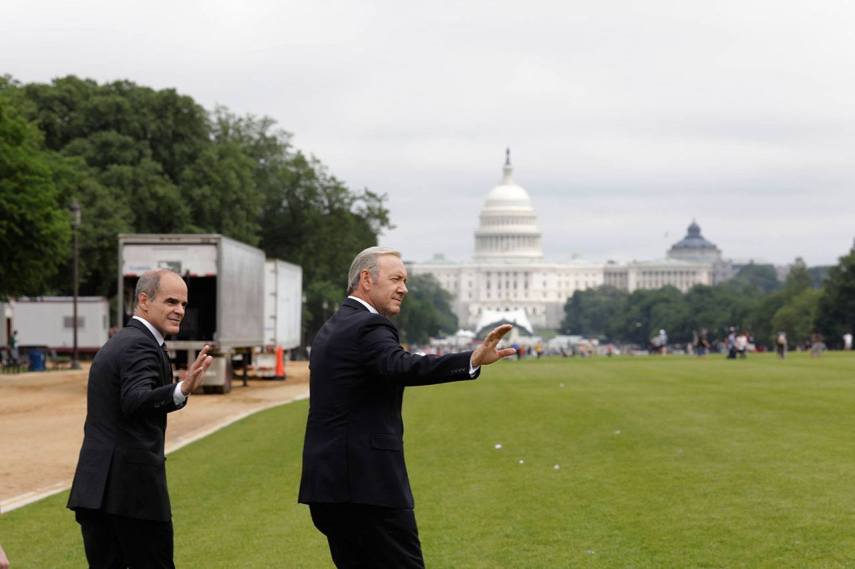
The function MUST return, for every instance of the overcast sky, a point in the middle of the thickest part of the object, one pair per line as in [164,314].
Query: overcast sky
[626,120]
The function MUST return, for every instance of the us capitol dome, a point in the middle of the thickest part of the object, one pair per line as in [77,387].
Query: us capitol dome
[507,230]
[508,279]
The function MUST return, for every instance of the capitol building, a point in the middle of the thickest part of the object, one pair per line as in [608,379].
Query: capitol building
[508,278]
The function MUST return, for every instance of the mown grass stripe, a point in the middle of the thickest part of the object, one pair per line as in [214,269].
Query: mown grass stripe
[664,462]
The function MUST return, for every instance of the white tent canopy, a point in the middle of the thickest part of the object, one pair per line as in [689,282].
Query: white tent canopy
[492,318]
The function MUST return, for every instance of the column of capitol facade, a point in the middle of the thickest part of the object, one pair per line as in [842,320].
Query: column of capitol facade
[508,272]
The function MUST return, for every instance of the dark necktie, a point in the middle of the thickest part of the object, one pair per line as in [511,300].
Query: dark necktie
[168,362]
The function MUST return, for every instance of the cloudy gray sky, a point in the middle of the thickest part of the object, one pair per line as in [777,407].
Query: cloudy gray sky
[626,120]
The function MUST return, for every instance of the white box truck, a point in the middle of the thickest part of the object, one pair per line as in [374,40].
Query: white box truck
[225,282]
[49,321]
[283,313]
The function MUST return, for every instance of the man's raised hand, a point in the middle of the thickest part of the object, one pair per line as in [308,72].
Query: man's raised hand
[196,372]
[486,353]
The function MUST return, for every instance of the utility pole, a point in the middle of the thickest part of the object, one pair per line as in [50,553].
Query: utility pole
[75,226]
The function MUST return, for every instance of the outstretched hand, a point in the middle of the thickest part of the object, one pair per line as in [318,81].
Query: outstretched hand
[196,372]
[486,353]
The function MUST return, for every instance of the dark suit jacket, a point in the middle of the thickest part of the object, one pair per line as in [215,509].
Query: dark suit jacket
[354,449]
[121,469]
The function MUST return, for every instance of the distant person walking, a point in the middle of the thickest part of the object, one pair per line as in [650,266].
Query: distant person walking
[13,348]
[817,346]
[730,343]
[742,344]
[660,342]
[700,342]
[847,341]
[781,344]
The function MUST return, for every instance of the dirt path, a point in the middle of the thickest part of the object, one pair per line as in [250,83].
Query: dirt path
[41,424]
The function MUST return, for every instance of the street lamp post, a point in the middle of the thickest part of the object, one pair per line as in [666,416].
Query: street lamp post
[75,226]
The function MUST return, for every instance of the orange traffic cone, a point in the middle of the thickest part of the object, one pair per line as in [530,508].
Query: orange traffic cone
[280,362]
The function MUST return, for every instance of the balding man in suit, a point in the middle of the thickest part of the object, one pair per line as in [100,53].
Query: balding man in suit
[119,492]
[354,478]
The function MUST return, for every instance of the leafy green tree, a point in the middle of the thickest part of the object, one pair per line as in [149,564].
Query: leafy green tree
[105,212]
[153,161]
[307,216]
[760,277]
[426,311]
[649,310]
[155,204]
[108,142]
[798,315]
[781,310]
[56,109]
[762,315]
[220,190]
[769,313]
[104,149]
[173,128]
[711,308]
[818,274]
[177,131]
[798,279]
[310,218]
[671,313]
[34,230]
[836,310]
[592,312]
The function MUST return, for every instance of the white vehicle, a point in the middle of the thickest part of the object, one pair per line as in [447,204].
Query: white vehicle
[49,321]
[283,311]
[283,304]
[225,281]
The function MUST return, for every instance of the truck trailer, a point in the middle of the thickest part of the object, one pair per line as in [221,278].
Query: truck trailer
[283,304]
[283,312]
[48,321]
[225,285]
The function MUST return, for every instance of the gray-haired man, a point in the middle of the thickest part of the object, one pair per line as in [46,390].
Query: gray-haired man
[354,478]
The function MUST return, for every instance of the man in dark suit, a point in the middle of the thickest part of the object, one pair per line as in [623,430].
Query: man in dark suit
[354,478]
[119,492]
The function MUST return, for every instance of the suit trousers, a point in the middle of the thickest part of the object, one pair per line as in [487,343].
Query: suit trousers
[369,537]
[119,542]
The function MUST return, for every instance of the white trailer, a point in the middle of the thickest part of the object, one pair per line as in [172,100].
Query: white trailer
[283,304]
[49,321]
[225,282]
[283,311]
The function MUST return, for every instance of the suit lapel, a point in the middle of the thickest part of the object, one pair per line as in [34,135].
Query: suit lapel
[165,365]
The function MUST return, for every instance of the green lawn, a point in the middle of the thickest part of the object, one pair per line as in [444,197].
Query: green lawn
[663,462]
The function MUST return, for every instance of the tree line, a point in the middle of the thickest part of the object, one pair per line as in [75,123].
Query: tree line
[140,160]
[809,301]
